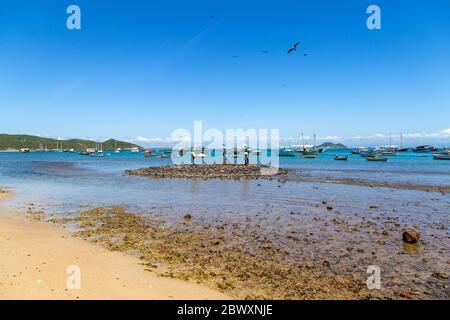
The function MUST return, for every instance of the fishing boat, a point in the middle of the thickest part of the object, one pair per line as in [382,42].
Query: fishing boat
[97,154]
[442,155]
[338,157]
[313,150]
[286,152]
[425,149]
[135,150]
[24,150]
[388,152]
[148,153]
[370,152]
[309,156]
[376,158]
[360,150]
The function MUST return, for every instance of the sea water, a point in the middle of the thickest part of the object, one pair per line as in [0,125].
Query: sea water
[61,182]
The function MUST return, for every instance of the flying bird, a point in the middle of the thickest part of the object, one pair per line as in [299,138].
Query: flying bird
[294,48]
[235,57]
[264,51]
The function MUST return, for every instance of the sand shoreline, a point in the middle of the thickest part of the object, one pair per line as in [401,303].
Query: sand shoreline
[34,257]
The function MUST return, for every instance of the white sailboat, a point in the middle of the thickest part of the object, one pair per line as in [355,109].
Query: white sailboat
[116,150]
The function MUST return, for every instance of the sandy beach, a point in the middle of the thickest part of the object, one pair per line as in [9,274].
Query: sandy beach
[197,236]
[34,257]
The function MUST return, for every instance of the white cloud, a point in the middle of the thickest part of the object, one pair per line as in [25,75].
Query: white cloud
[141,139]
[446,132]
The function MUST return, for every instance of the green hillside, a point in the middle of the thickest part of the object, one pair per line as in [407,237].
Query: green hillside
[18,141]
[331,145]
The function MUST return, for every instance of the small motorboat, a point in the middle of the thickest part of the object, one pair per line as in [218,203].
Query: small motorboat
[98,154]
[376,158]
[256,152]
[441,156]
[286,152]
[337,157]
[389,153]
[309,156]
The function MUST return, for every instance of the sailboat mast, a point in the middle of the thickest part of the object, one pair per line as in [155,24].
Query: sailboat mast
[303,142]
[314,140]
[401,139]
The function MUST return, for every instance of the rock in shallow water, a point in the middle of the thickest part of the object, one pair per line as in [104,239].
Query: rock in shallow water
[211,171]
[411,235]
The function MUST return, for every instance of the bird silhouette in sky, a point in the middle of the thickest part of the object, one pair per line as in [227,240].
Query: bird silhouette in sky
[294,48]
[235,57]
[264,51]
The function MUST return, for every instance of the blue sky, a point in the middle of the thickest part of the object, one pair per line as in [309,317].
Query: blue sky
[138,70]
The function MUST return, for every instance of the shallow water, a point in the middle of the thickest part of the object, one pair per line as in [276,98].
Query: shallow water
[345,239]
[67,180]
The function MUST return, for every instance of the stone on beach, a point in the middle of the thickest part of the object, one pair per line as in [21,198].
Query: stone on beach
[411,235]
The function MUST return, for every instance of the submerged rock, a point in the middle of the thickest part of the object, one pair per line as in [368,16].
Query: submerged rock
[440,275]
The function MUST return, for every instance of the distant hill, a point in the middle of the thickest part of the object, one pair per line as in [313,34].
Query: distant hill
[17,141]
[331,145]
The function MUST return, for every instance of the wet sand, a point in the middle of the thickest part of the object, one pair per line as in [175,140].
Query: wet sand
[34,257]
[320,254]
[296,176]
[212,255]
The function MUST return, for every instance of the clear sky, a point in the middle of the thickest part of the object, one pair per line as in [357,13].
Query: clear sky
[138,70]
